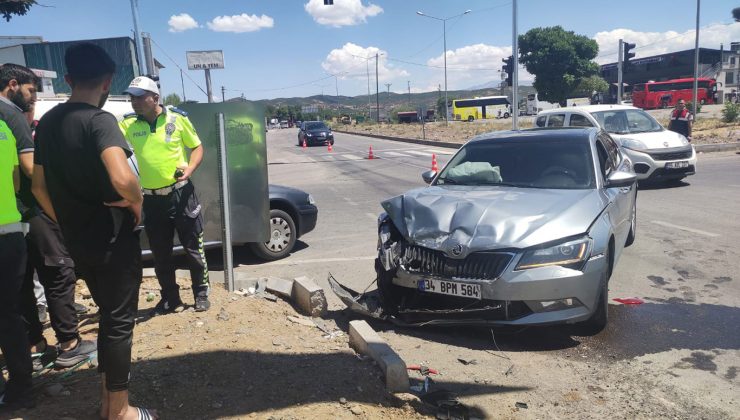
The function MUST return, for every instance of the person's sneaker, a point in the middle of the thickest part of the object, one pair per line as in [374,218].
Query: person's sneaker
[165,307]
[80,308]
[81,352]
[202,303]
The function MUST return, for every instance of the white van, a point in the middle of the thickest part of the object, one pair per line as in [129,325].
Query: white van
[656,153]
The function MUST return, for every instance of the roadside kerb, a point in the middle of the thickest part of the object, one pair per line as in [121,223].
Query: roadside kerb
[700,148]
[366,341]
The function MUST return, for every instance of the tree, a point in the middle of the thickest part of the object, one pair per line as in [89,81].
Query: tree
[589,85]
[558,59]
[8,8]
[172,99]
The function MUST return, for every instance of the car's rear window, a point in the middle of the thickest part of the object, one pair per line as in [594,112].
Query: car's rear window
[563,164]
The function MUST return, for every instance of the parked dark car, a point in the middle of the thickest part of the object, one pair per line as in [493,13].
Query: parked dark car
[315,132]
[293,213]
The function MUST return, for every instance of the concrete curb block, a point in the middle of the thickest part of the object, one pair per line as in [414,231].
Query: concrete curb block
[366,341]
[279,286]
[309,297]
[722,147]
[700,148]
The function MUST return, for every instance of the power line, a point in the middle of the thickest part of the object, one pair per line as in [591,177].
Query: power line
[178,66]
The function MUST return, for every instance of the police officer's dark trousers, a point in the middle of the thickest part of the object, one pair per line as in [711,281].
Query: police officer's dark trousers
[48,255]
[163,215]
[114,284]
[13,339]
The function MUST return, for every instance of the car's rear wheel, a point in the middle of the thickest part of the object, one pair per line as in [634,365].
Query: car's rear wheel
[506,115]
[633,226]
[282,237]
[470,118]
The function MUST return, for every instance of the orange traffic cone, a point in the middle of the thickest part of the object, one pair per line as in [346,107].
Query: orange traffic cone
[370,154]
[435,168]
[304,143]
[329,148]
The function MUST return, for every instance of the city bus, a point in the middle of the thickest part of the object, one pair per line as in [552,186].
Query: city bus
[666,94]
[481,108]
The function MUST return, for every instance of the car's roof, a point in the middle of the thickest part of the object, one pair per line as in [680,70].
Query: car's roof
[584,134]
[585,109]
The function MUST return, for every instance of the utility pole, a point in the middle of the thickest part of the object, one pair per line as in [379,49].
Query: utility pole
[515,72]
[137,35]
[619,72]
[388,90]
[696,62]
[367,69]
[377,91]
[182,81]
[223,94]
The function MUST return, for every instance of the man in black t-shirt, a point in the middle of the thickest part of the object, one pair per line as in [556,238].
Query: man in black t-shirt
[47,254]
[81,178]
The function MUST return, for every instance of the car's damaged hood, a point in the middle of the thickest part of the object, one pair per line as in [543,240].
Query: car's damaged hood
[483,218]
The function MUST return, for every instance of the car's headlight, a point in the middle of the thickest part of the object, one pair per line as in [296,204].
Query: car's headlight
[309,135]
[569,254]
[633,144]
[311,200]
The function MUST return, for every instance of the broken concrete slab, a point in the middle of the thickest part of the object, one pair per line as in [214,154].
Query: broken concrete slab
[148,272]
[366,341]
[278,286]
[309,296]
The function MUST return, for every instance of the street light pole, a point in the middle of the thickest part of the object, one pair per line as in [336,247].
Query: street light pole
[444,37]
[696,63]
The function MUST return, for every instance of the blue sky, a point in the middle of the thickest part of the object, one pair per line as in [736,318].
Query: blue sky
[284,48]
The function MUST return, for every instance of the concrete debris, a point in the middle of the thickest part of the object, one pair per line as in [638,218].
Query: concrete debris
[223,315]
[278,286]
[356,410]
[521,405]
[366,341]
[309,297]
[268,296]
[301,321]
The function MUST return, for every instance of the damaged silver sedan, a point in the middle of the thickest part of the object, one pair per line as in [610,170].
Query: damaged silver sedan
[520,228]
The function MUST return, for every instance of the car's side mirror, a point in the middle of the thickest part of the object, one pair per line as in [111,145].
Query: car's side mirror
[620,179]
[428,176]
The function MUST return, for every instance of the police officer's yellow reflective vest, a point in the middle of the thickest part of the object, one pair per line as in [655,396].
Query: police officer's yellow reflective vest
[160,147]
[8,162]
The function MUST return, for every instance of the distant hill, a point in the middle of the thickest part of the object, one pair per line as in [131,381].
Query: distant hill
[391,100]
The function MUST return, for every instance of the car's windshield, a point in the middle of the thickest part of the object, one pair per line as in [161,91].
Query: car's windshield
[626,121]
[524,164]
[316,126]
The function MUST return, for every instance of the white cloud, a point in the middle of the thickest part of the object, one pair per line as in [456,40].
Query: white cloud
[240,23]
[342,12]
[350,62]
[475,64]
[655,43]
[182,22]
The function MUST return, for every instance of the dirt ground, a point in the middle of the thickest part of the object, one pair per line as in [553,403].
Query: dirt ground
[708,129]
[242,359]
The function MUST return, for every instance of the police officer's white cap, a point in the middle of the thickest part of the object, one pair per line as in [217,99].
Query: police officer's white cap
[141,86]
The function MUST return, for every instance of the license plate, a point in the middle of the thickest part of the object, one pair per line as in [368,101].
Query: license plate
[677,165]
[452,288]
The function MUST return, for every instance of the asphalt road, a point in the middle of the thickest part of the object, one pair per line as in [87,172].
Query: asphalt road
[675,355]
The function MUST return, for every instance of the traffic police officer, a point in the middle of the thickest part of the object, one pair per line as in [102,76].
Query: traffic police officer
[159,136]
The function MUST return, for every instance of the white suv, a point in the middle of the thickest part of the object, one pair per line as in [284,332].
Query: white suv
[656,153]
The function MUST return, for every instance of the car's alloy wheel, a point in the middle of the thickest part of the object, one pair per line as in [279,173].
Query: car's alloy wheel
[282,237]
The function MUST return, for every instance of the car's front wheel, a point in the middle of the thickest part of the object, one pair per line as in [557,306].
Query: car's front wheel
[282,237]
[598,320]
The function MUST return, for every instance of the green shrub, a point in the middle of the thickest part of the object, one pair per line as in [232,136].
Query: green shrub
[730,112]
[690,107]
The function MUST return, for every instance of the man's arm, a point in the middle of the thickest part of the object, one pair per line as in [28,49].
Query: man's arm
[196,157]
[123,180]
[26,161]
[39,190]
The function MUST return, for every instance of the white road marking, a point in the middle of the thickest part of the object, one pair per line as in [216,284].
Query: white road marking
[350,202]
[687,229]
[440,152]
[280,161]
[329,157]
[395,154]
[415,152]
[318,261]
[352,157]
[734,186]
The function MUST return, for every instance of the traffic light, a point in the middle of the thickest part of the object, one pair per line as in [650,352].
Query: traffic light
[508,68]
[627,55]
